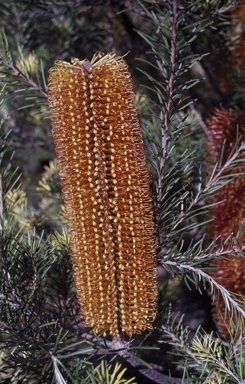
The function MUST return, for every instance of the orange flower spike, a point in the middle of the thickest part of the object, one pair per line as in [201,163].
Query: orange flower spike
[106,192]
[223,124]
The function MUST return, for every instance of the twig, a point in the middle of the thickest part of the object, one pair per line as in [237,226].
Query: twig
[184,346]
[211,182]
[168,103]
[181,257]
[150,373]
[225,9]
[20,74]
[200,120]
[214,360]
[213,283]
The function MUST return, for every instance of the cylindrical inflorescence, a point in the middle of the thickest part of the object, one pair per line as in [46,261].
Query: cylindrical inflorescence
[223,125]
[106,192]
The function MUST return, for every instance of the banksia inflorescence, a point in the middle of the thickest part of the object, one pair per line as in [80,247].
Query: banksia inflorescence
[106,192]
[223,125]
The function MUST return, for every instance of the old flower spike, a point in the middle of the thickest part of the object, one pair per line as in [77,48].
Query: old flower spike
[226,215]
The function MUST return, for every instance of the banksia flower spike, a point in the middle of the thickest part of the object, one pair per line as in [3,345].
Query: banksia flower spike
[223,124]
[106,192]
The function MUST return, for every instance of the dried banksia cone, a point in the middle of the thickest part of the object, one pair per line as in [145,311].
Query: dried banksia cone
[106,192]
[226,216]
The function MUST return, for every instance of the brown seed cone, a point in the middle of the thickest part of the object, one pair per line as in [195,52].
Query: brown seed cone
[223,125]
[106,192]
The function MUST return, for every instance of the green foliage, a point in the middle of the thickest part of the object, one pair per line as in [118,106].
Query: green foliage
[207,358]
[105,374]
[43,337]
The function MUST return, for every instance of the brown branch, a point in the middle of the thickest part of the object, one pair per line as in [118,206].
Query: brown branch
[151,373]
[124,352]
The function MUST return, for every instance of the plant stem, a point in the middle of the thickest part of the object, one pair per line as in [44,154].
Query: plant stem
[20,74]
[168,103]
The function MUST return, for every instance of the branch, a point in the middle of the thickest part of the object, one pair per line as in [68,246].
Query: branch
[213,283]
[200,120]
[25,79]
[216,176]
[184,346]
[169,100]
[212,360]
[211,182]
[226,8]
[206,256]
[122,349]
[151,373]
